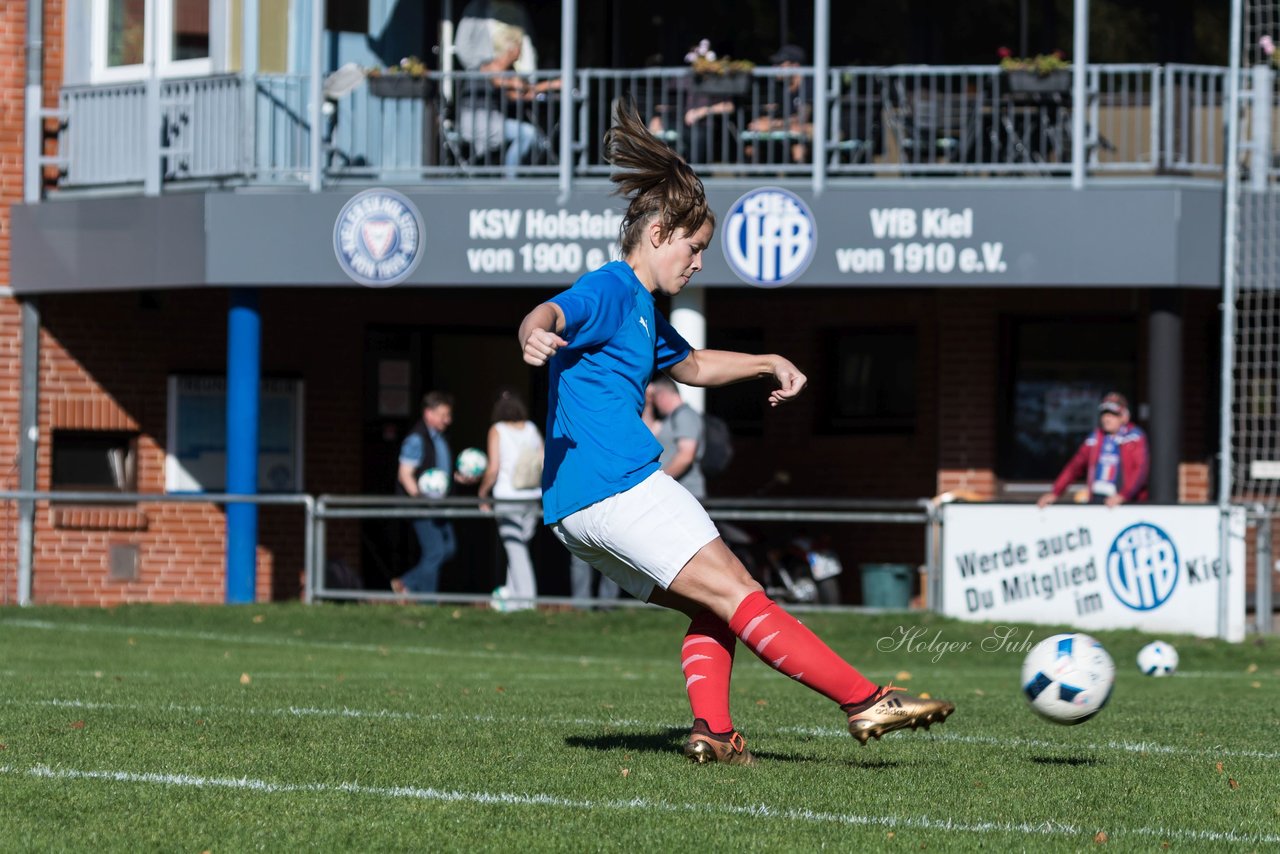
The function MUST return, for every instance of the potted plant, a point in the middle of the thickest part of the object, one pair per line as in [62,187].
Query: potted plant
[1045,72]
[408,79]
[718,75]
[1268,46]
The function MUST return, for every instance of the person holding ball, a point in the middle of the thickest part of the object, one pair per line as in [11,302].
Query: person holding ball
[424,449]
[604,495]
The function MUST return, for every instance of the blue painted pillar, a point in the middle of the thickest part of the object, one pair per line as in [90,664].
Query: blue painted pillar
[244,333]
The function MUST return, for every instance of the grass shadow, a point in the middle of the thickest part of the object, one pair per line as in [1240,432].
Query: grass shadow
[672,739]
[874,764]
[1070,761]
[639,742]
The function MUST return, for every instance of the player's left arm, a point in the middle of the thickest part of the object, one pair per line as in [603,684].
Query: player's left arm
[686,451]
[722,367]
[494,446]
[1143,453]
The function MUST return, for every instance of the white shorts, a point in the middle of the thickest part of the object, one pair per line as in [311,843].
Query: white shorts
[640,537]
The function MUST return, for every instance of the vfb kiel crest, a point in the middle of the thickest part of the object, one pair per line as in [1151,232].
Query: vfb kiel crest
[378,238]
[770,236]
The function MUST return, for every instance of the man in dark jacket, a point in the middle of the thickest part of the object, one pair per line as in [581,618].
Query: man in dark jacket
[1113,459]
[424,450]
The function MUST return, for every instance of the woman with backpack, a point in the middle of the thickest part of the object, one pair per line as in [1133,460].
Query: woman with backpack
[513,477]
[604,495]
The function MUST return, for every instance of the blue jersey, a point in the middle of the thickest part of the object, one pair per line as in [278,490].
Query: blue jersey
[597,445]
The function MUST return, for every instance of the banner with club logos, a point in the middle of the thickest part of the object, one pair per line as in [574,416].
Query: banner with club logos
[1152,568]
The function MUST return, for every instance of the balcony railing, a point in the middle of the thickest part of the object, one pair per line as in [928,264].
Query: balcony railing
[898,121]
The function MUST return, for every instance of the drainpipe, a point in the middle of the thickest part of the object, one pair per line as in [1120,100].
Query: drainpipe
[568,75]
[28,414]
[1079,93]
[34,146]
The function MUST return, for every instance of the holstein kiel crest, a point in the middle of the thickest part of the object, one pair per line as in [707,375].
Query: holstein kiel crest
[770,236]
[378,237]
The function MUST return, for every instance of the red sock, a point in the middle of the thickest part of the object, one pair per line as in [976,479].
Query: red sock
[707,662]
[783,643]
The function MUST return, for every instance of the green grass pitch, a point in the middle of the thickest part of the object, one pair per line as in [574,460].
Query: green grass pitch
[372,728]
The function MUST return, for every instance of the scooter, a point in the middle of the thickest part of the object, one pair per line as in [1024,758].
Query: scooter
[799,572]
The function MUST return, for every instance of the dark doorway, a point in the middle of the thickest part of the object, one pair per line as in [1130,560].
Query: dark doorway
[401,364]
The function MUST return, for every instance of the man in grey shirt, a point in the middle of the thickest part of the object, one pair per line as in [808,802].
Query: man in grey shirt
[681,434]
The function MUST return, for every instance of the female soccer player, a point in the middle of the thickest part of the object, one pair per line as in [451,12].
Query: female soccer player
[604,495]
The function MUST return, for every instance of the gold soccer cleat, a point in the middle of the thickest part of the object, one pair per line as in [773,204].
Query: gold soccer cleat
[892,709]
[702,748]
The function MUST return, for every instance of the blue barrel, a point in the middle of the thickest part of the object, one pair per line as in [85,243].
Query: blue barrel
[886,585]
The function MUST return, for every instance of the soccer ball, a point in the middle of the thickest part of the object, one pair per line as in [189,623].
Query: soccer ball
[498,601]
[472,462]
[1158,659]
[1068,678]
[433,483]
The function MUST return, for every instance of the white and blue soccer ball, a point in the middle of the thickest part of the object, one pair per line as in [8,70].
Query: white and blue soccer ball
[1158,659]
[1068,678]
[433,483]
[498,601]
[472,462]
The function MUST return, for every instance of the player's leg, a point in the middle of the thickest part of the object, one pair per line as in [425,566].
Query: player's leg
[706,659]
[715,578]
[424,577]
[515,529]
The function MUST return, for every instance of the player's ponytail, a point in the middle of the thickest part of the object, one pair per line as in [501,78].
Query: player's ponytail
[654,178]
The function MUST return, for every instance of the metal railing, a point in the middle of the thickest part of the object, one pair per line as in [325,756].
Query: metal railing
[889,121]
[319,510]
[361,507]
[88,499]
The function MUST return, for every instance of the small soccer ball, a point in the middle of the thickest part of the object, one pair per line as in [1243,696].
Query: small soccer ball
[498,601]
[433,483]
[1068,678]
[472,462]
[1158,659]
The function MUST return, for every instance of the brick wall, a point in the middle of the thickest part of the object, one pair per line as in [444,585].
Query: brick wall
[105,358]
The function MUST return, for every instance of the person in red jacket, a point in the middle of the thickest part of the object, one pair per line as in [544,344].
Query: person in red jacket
[1113,459]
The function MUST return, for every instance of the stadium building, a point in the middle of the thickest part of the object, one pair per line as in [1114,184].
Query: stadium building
[209,198]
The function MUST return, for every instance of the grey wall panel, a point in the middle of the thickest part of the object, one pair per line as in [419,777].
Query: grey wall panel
[969,233]
[108,244]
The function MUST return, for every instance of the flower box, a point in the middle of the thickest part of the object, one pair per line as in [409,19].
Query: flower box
[400,86]
[726,85]
[1029,82]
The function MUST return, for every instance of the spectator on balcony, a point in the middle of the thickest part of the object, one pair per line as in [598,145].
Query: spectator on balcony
[493,37]
[1113,459]
[699,125]
[792,111]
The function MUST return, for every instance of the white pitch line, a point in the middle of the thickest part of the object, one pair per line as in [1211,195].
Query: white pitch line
[346,646]
[1139,747]
[1044,828]
[1112,745]
[297,643]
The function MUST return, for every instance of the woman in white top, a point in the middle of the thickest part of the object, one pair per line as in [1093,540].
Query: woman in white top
[514,473]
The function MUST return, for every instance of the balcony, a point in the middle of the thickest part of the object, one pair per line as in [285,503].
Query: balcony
[892,123]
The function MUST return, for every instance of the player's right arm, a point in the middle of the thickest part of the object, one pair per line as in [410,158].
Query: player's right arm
[539,333]
[405,474]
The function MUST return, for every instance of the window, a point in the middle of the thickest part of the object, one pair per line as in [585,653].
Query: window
[351,16]
[127,35]
[95,460]
[873,386]
[196,452]
[1060,369]
[741,405]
